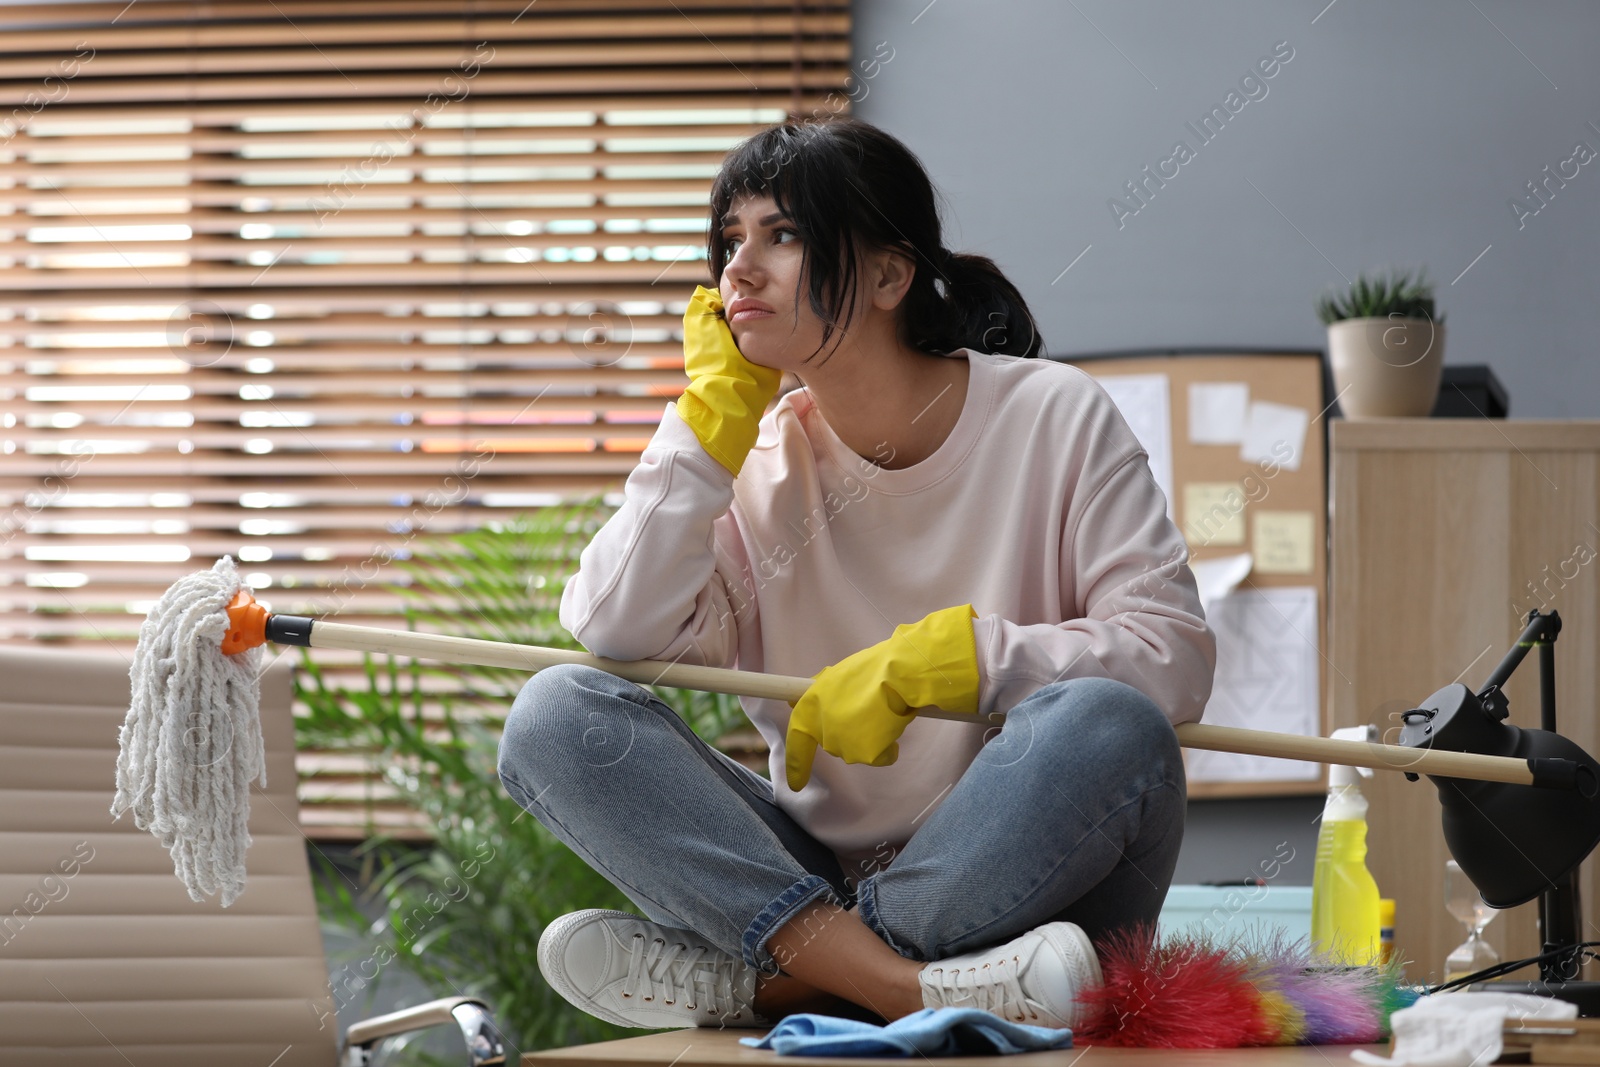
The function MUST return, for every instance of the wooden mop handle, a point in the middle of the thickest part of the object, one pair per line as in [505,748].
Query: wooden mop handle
[467,650]
[534,657]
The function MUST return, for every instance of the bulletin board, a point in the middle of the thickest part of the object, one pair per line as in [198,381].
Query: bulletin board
[1239,444]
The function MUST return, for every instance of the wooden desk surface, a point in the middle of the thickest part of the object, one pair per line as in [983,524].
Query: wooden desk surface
[706,1045]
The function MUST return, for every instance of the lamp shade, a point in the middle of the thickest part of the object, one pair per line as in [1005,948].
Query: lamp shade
[1513,841]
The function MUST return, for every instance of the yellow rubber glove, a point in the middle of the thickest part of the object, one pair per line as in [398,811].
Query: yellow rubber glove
[857,708]
[727,393]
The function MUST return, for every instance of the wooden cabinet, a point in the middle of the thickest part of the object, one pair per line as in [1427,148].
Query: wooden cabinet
[1443,534]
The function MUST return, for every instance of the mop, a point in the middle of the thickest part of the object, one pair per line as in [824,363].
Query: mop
[191,743]
[191,747]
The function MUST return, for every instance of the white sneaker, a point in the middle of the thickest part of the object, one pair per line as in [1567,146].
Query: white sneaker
[1033,979]
[633,972]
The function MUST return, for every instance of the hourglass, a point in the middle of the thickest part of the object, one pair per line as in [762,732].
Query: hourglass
[1462,899]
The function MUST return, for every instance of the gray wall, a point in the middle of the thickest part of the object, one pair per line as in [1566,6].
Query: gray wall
[1394,136]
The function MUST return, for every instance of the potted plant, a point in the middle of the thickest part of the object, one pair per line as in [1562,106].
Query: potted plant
[1386,346]
[464,913]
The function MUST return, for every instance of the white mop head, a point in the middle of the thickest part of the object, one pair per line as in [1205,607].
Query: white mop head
[192,740]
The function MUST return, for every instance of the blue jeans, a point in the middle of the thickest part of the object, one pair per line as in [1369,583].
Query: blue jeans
[1072,811]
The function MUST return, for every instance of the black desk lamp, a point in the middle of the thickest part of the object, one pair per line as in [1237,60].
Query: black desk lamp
[1516,842]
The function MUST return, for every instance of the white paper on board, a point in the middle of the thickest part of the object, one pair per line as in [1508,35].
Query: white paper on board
[1275,433]
[1144,402]
[1217,412]
[1218,577]
[1266,679]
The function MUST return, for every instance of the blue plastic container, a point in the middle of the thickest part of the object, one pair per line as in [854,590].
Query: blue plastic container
[1223,911]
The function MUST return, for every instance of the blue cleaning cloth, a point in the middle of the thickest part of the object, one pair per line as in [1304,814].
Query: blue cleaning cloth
[929,1032]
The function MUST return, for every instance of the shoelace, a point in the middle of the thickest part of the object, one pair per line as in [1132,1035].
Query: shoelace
[991,987]
[651,970]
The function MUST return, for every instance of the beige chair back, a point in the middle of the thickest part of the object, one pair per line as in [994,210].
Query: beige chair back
[104,959]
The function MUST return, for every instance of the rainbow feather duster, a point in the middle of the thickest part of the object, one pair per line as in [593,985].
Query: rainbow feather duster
[1197,991]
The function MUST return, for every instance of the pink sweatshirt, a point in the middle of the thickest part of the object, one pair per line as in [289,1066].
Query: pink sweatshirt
[1039,509]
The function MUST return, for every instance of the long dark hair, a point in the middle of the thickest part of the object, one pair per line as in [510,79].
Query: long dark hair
[848,186]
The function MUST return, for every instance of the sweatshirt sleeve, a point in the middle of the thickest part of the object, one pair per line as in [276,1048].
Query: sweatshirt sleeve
[1139,618]
[660,580]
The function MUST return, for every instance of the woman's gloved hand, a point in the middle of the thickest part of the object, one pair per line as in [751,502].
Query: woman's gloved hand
[857,708]
[727,393]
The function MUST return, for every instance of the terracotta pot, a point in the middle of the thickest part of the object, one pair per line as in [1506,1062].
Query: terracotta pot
[1386,367]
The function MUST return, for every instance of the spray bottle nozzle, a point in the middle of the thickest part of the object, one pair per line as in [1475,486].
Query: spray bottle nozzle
[1343,774]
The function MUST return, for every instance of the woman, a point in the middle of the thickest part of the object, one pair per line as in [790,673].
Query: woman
[935,518]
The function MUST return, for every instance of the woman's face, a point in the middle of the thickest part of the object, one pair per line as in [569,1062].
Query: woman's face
[763,287]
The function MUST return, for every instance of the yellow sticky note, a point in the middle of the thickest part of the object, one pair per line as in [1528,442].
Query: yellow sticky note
[1282,542]
[1213,513]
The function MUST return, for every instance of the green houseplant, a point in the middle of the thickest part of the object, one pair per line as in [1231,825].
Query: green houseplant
[1385,345]
[465,913]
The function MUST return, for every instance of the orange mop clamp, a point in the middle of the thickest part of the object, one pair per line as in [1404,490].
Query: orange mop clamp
[250,625]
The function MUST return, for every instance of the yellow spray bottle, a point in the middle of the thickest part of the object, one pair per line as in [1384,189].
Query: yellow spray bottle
[1344,898]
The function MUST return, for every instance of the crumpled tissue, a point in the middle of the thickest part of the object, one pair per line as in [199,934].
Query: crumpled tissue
[1460,1029]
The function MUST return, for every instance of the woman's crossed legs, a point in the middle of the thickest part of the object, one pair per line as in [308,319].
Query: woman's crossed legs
[1072,811]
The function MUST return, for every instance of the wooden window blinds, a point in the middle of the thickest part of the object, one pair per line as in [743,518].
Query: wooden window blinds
[279,271]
